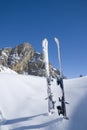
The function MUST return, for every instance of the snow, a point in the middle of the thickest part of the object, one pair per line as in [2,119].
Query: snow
[4,69]
[3,53]
[23,105]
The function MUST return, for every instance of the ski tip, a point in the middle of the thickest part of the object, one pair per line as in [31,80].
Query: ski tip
[56,40]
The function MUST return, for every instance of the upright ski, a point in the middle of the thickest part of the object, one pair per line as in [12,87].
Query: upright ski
[51,103]
[62,107]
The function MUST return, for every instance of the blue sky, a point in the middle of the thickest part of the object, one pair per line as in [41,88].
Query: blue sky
[33,20]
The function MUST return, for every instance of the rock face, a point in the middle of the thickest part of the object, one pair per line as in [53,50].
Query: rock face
[24,60]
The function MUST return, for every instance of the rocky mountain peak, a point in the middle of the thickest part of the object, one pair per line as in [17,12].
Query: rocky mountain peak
[24,60]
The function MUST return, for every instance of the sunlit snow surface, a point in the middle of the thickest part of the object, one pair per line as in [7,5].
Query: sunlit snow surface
[6,70]
[23,105]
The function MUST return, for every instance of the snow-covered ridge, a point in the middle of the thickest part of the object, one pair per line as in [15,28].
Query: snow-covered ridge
[4,69]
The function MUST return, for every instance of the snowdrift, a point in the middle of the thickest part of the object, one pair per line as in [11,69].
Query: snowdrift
[23,105]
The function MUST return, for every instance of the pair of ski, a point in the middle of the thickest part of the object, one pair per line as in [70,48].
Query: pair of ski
[51,103]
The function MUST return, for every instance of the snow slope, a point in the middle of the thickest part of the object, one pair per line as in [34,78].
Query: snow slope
[23,105]
[4,69]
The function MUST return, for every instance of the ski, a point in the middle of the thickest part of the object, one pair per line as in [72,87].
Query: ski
[62,108]
[51,103]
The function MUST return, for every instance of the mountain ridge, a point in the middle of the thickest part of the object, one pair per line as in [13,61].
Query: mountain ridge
[25,60]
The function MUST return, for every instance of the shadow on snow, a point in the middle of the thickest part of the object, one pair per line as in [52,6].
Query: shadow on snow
[79,117]
[22,119]
[38,126]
